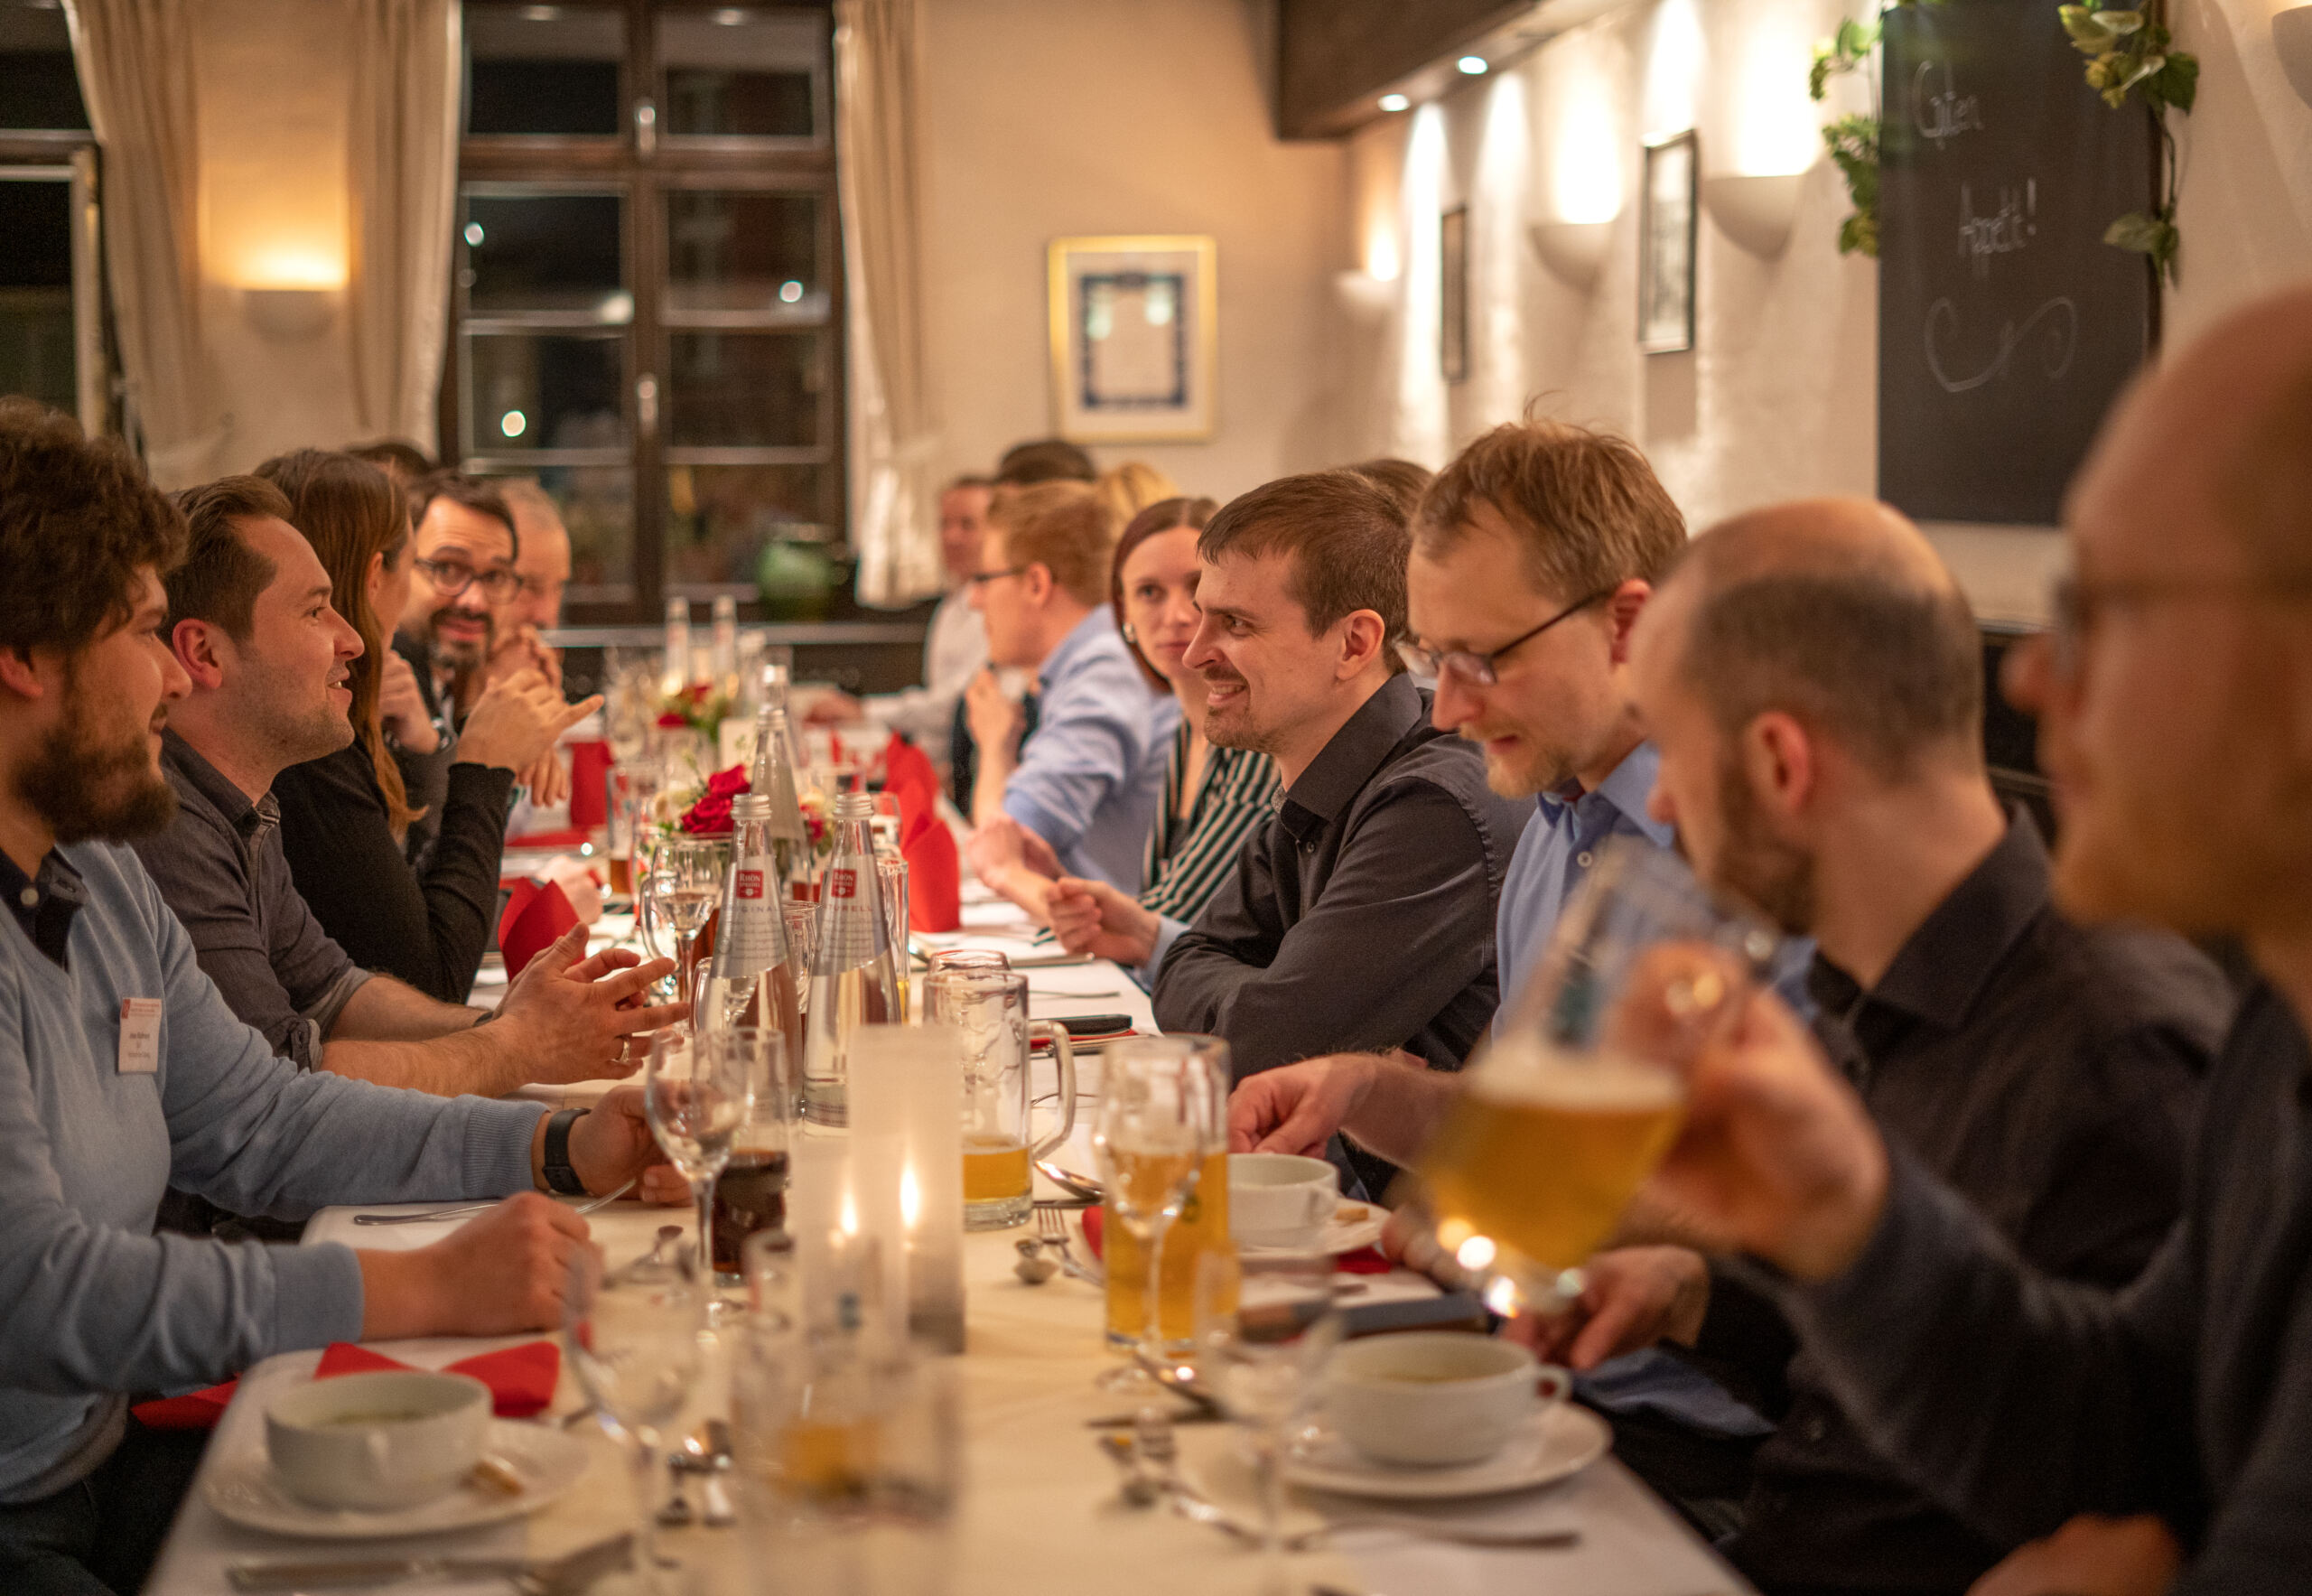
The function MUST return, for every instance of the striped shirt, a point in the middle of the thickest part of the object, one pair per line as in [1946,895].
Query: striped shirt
[1190,856]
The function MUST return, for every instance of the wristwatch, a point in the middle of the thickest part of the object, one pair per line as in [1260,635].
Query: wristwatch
[559,1176]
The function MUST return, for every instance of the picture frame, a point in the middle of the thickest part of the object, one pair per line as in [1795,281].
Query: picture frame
[1453,293]
[1666,266]
[1134,337]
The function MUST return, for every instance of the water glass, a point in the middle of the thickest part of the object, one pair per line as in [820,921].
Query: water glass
[682,892]
[699,1089]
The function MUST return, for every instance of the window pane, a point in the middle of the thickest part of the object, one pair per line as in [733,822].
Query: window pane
[597,505]
[36,355]
[543,69]
[542,390]
[38,87]
[546,252]
[732,73]
[721,517]
[743,251]
[744,390]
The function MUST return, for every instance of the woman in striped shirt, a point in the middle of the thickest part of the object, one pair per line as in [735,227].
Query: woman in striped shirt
[1213,797]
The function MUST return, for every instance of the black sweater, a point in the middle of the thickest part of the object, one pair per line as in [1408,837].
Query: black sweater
[431,928]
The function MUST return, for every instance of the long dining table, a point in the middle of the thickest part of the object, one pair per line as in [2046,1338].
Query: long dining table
[1039,1509]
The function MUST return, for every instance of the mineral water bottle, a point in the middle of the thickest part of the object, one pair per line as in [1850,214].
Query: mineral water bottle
[772,779]
[675,674]
[854,972]
[753,981]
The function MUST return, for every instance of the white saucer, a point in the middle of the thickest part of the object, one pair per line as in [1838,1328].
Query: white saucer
[1556,1443]
[242,1487]
[1341,1235]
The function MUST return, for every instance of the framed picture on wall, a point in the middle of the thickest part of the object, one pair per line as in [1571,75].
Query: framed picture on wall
[1134,337]
[1453,293]
[1666,266]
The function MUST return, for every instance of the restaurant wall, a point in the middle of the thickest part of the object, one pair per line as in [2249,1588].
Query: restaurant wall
[1777,398]
[1049,120]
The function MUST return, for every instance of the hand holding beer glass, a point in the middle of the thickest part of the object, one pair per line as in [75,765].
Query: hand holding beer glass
[1576,1101]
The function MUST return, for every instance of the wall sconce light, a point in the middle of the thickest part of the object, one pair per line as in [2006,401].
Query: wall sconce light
[2292,41]
[1367,297]
[1573,251]
[1755,211]
[289,315]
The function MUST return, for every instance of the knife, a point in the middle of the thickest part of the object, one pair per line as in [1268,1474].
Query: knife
[381,1571]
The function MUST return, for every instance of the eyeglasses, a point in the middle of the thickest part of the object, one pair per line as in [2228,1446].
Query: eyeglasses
[1477,669]
[2076,604]
[982,578]
[451,577]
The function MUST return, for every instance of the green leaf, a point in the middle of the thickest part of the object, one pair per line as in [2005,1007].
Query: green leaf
[2145,234]
[1859,234]
[2087,27]
[2121,22]
[2178,83]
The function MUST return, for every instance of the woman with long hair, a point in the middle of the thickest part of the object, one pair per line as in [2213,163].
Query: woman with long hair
[343,817]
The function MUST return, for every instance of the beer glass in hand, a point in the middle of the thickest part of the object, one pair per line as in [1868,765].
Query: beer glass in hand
[1581,1094]
[1157,1114]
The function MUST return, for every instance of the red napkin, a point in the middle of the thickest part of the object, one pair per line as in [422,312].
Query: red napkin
[534,915]
[590,792]
[935,874]
[521,1381]
[564,840]
[1095,1225]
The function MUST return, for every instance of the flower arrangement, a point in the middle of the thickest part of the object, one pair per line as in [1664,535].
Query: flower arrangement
[699,707]
[709,814]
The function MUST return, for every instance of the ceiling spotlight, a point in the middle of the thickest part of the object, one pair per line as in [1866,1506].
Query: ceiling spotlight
[1395,102]
[1473,66]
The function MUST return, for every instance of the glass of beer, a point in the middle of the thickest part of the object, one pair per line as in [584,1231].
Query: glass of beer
[1200,1232]
[750,1196]
[1157,1120]
[1579,1096]
[988,1009]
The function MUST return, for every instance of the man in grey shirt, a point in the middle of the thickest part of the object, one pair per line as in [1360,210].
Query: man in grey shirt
[121,1070]
[251,623]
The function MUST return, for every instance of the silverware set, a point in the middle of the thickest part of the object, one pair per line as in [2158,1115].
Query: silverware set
[467,1211]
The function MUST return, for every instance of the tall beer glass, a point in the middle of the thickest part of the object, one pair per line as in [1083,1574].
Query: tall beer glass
[1577,1099]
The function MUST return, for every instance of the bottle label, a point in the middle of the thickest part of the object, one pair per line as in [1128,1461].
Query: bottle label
[843,882]
[752,935]
[750,884]
[851,930]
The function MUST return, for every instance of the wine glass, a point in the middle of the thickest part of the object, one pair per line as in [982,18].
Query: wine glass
[1265,1328]
[632,1338]
[697,1089]
[684,887]
[1156,1116]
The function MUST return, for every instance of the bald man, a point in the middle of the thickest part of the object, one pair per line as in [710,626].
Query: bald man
[2175,695]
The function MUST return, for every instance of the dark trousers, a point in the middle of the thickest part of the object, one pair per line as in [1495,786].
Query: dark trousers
[100,1537]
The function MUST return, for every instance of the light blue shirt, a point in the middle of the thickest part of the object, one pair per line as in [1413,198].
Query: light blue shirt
[1092,777]
[1554,853]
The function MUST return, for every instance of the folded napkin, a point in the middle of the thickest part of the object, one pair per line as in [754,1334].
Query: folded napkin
[536,913]
[565,839]
[521,1381]
[590,793]
[935,876]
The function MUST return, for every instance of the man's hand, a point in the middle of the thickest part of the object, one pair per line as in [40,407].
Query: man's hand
[568,1019]
[517,721]
[995,720]
[828,706]
[1093,917]
[2091,1556]
[1002,852]
[520,648]
[401,705]
[1635,1296]
[502,1272]
[1296,1108]
[1778,1156]
[548,782]
[611,1144]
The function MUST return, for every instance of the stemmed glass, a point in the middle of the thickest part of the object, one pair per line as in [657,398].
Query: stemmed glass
[682,891]
[632,1338]
[1156,1116]
[697,1089]
[1265,1328]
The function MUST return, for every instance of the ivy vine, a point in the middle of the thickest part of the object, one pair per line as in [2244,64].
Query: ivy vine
[2130,52]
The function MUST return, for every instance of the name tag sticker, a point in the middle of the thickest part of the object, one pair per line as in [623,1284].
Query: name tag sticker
[140,1035]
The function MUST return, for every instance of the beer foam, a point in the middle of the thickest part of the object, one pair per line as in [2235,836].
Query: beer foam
[1527,1072]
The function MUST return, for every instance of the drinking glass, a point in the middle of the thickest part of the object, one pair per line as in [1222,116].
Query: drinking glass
[682,892]
[1264,1329]
[632,1338]
[750,1193]
[802,915]
[633,791]
[697,1090]
[988,1011]
[1568,1113]
[1156,1117]
[968,958]
[1202,1227]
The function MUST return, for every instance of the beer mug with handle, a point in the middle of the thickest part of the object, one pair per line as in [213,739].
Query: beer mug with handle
[1583,1091]
[989,1009]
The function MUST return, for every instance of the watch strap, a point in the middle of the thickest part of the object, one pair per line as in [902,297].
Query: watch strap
[559,1176]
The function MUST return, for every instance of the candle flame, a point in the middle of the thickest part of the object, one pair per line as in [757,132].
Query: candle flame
[911,1198]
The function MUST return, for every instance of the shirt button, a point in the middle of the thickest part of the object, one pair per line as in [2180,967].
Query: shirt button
[29,897]
[1585,858]
[1815,1430]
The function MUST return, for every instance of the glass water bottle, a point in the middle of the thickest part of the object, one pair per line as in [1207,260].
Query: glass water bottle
[854,972]
[754,979]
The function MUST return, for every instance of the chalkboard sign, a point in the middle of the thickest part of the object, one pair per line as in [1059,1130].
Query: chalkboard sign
[2006,324]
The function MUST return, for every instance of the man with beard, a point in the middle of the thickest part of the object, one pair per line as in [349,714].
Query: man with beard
[1361,914]
[121,1070]
[251,624]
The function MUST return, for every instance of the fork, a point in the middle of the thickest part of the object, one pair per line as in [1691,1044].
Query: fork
[1051,1229]
[468,1211]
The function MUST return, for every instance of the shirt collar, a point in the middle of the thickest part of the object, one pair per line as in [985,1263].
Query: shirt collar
[1085,634]
[1943,966]
[1625,790]
[44,904]
[247,817]
[1346,763]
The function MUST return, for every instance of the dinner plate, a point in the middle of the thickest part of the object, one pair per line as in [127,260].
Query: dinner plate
[1559,1441]
[242,1487]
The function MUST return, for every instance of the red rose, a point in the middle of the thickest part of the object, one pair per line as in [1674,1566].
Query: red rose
[709,816]
[730,783]
[669,720]
[698,692]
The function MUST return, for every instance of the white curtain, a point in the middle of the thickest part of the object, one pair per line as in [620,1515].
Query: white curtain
[894,508]
[136,64]
[401,175]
